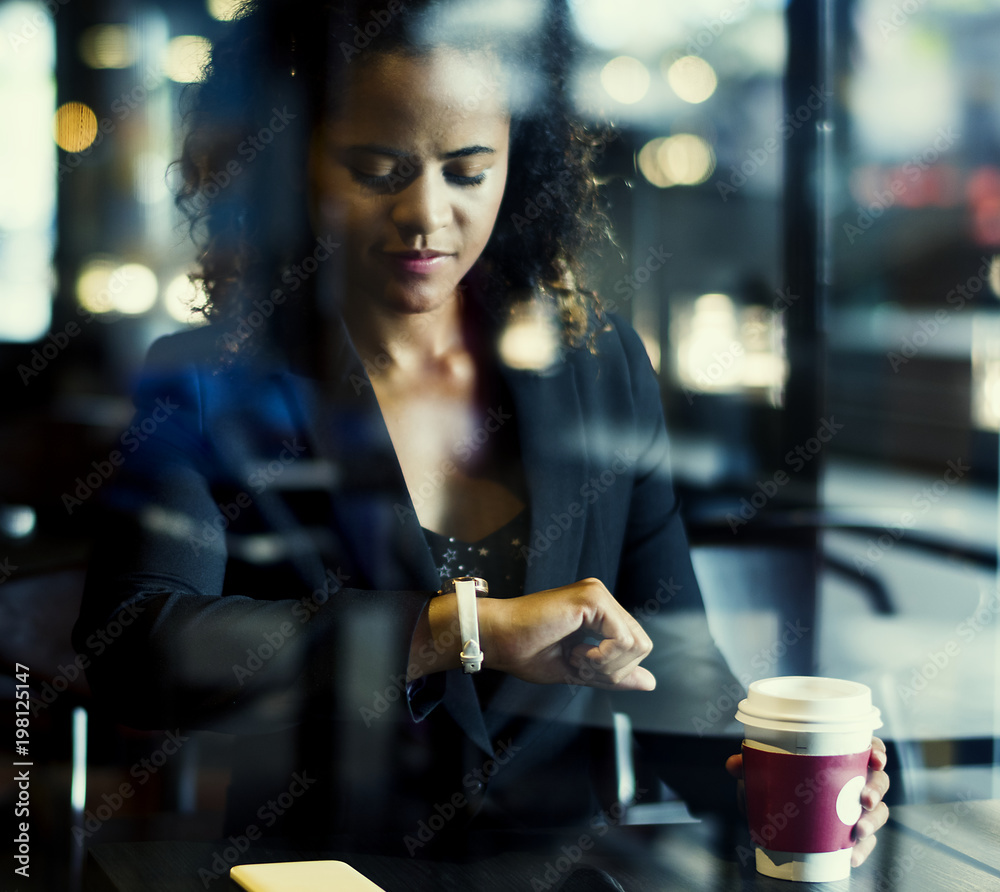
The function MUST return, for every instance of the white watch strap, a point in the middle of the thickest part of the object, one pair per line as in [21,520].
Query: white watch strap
[468,623]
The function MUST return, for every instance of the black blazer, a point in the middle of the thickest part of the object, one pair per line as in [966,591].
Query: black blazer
[263,568]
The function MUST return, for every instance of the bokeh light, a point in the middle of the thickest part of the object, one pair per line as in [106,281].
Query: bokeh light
[648,162]
[94,285]
[137,291]
[686,159]
[530,340]
[223,10]
[680,160]
[108,46]
[692,79]
[75,126]
[186,58]
[625,79]
[179,297]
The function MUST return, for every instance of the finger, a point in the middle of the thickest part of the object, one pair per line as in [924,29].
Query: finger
[862,849]
[639,679]
[624,640]
[875,788]
[734,765]
[632,678]
[879,757]
[589,660]
[871,821]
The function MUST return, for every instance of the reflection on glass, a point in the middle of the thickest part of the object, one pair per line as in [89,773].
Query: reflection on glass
[138,290]
[719,348]
[530,340]
[178,298]
[625,79]
[27,171]
[186,58]
[680,160]
[686,159]
[611,24]
[692,79]
[223,10]
[96,285]
[986,373]
[108,46]
[75,126]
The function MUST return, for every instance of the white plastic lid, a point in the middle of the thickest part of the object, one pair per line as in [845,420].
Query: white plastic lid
[812,702]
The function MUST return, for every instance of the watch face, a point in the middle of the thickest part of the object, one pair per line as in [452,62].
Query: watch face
[482,587]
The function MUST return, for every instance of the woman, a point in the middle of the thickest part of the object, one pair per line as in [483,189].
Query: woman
[405,382]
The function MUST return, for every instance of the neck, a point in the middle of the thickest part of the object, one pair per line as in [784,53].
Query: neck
[390,342]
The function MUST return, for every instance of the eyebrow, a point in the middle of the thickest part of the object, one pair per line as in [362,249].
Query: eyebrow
[397,153]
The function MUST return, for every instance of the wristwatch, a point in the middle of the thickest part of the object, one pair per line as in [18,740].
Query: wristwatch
[467,588]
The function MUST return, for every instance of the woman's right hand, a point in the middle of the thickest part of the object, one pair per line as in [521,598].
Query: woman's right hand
[574,634]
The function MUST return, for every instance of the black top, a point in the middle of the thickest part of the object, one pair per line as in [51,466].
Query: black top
[262,568]
[498,558]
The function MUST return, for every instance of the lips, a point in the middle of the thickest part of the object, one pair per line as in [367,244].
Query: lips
[418,262]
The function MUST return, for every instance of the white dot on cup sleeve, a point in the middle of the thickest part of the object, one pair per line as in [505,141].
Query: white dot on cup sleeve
[849,801]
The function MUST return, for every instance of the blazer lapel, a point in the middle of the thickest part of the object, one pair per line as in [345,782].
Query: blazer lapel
[555,460]
[371,508]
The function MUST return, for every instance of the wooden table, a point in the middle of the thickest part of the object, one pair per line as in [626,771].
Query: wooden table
[933,848]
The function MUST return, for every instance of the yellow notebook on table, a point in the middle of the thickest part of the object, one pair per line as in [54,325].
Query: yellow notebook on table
[302,876]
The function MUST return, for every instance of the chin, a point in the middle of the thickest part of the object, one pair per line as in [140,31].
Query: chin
[421,299]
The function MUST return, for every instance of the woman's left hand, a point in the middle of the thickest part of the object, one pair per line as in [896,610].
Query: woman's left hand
[875,812]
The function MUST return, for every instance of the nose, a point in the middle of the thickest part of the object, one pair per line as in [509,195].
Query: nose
[422,206]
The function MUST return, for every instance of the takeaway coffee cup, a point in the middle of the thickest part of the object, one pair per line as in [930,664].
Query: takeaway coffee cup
[805,760]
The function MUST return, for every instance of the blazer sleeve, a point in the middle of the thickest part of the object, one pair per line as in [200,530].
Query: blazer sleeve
[686,727]
[164,646]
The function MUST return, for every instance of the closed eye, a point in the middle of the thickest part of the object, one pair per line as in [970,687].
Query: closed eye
[392,181]
[459,180]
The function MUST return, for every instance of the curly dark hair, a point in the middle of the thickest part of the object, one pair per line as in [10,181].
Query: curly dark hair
[244,184]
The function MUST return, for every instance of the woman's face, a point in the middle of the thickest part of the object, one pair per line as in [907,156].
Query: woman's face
[410,174]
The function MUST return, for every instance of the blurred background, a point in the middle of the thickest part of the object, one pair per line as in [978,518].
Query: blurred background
[807,202]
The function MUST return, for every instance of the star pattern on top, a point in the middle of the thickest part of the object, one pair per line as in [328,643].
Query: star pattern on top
[457,558]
